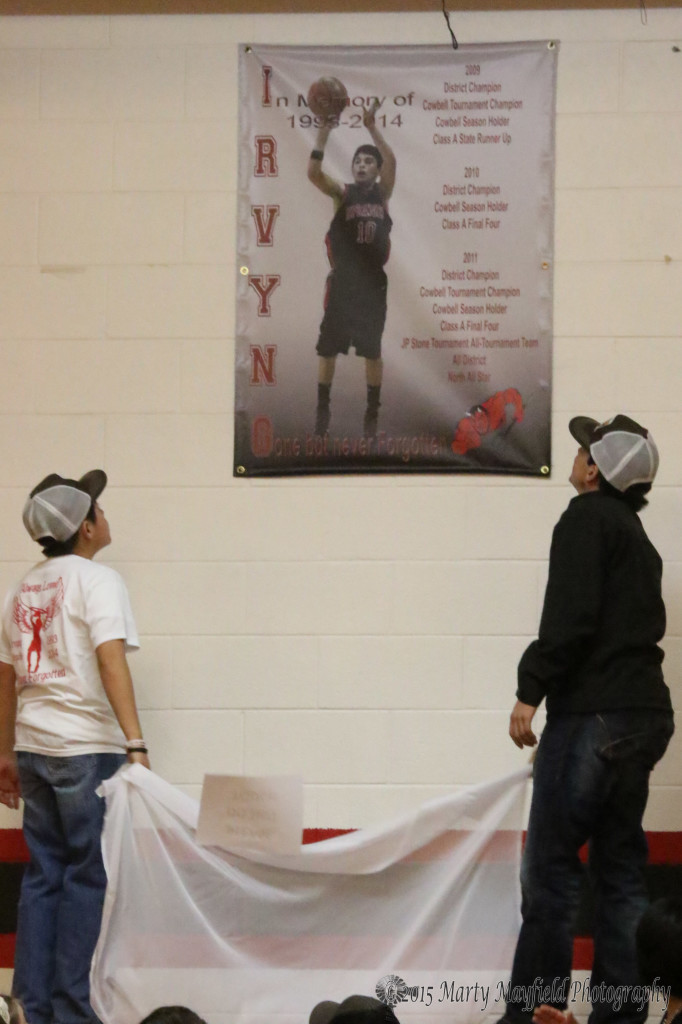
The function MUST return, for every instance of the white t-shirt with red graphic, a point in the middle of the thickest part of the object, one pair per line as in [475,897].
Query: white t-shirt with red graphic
[52,624]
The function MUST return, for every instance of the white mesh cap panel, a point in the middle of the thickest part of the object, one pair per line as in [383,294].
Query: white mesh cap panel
[625,458]
[56,512]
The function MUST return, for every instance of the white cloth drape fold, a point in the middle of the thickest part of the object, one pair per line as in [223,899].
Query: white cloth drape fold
[432,897]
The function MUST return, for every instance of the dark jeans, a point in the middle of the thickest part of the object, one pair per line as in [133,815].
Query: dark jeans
[590,783]
[62,892]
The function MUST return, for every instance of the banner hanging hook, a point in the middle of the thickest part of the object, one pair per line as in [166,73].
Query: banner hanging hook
[455,44]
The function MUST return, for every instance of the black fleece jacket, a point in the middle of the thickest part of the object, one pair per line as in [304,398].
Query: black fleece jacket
[603,615]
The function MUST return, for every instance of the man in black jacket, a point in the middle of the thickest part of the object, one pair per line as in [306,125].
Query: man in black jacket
[597,664]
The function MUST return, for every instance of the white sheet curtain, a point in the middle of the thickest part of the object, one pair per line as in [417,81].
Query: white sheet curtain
[432,897]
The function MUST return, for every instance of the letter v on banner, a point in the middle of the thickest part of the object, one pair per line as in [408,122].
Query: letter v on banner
[264,218]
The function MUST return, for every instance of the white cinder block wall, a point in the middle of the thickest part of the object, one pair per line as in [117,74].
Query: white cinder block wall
[361,632]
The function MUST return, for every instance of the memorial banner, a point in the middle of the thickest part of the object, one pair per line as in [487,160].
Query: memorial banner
[395,259]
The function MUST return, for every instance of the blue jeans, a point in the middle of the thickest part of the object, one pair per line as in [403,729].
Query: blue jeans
[590,784]
[62,891]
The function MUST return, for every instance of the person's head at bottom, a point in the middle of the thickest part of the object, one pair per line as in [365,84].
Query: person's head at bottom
[173,1015]
[355,1009]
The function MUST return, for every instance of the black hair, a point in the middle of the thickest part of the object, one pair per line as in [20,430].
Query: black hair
[634,496]
[173,1015]
[14,1007]
[366,147]
[659,945]
[55,548]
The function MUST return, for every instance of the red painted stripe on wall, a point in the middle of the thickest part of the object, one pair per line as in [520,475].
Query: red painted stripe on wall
[12,846]
[7,943]
[664,847]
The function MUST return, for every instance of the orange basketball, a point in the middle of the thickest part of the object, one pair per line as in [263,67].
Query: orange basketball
[327,97]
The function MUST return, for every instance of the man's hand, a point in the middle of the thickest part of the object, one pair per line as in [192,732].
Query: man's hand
[523,736]
[550,1015]
[9,776]
[137,757]
[9,782]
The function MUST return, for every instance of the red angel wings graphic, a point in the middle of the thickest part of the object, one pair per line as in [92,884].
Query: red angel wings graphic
[34,620]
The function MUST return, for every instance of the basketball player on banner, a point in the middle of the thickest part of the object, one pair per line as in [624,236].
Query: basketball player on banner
[358,245]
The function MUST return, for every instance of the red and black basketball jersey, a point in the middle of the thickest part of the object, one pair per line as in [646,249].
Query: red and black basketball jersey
[358,240]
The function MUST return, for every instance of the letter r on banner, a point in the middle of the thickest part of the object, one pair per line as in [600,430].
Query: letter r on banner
[266,157]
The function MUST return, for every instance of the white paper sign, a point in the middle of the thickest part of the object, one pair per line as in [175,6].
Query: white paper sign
[251,813]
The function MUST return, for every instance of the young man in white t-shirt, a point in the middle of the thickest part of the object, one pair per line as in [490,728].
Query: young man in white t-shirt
[68,720]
